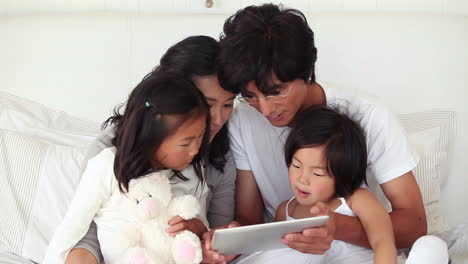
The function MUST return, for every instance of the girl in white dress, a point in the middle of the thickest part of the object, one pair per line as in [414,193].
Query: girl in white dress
[164,129]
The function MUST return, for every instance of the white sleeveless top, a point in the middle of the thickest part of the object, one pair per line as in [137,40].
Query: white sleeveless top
[343,209]
[339,253]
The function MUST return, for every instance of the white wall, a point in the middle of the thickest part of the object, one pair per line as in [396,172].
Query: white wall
[83,57]
[230,6]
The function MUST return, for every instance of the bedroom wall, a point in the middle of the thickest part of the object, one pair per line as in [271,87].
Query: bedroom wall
[230,6]
[83,57]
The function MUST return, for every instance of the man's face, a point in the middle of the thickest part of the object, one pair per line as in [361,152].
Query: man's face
[279,112]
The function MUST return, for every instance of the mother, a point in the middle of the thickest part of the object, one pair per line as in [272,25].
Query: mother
[194,58]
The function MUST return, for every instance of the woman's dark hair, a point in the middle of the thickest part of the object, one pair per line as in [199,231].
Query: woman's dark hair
[260,40]
[194,57]
[143,125]
[191,57]
[344,141]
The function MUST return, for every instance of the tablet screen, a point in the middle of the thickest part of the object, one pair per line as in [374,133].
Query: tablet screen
[253,238]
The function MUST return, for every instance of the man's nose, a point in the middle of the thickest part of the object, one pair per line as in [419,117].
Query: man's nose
[265,107]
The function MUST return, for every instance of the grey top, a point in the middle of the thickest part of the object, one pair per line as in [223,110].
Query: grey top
[220,201]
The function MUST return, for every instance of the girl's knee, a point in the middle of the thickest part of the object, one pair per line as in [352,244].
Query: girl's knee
[429,250]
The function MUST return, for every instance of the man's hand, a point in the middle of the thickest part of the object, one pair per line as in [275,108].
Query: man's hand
[210,255]
[316,240]
[178,224]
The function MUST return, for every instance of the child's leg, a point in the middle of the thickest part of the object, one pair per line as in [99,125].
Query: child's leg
[428,250]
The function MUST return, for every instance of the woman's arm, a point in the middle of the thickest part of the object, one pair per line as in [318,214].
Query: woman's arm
[376,223]
[249,210]
[87,250]
[81,256]
[221,207]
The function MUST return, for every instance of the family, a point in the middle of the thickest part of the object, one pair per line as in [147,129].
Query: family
[292,148]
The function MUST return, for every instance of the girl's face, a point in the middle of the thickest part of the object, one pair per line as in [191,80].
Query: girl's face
[308,176]
[221,102]
[178,149]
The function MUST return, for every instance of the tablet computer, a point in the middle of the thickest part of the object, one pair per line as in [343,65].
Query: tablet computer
[253,238]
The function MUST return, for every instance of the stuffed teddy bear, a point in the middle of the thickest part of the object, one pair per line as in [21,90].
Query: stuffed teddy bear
[149,198]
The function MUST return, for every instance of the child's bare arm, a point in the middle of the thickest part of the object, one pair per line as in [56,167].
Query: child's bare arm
[377,225]
[281,212]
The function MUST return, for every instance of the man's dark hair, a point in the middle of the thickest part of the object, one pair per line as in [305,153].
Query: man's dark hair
[260,40]
[344,141]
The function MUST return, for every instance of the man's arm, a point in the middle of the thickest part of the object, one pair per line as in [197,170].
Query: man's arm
[249,202]
[408,216]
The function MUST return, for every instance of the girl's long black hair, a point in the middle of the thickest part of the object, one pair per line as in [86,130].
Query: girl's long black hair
[141,127]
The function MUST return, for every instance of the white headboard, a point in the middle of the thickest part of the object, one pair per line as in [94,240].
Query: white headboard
[83,57]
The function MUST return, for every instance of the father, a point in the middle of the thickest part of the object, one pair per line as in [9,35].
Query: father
[269,53]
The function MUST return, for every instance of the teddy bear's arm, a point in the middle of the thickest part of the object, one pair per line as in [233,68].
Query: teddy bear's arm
[185,206]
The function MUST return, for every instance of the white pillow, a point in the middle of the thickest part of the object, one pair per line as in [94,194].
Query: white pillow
[428,175]
[34,119]
[8,258]
[41,160]
[37,184]
[432,134]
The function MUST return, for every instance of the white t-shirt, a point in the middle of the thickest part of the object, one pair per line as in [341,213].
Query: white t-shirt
[258,146]
[93,201]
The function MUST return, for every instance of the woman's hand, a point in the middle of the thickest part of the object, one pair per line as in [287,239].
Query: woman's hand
[316,240]
[211,256]
[178,224]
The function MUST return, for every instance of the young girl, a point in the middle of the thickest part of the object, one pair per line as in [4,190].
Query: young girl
[326,156]
[327,159]
[164,125]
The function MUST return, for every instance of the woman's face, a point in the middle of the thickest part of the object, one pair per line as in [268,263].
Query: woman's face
[221,102]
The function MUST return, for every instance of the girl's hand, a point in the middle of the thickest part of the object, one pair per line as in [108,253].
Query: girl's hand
[316,240]
[178,224]
[211,256]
